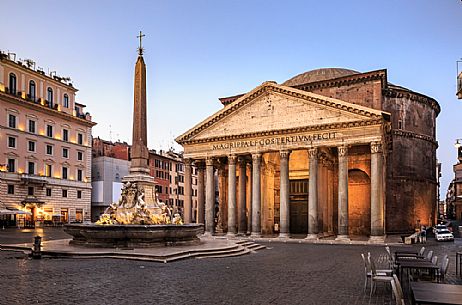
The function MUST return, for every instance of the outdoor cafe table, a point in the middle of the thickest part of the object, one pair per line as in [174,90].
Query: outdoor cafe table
[432,293]
[417,264]
[406,253]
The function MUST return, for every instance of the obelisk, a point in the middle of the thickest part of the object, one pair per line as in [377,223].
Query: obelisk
[139,170]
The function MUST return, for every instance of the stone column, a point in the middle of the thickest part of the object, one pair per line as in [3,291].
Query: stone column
[249,216]
[241,209]
[377,205]
[313,195]
[209,197]
[284,191]
[232,195]
[187,191]
[200,194]
[256,195]
[342,193]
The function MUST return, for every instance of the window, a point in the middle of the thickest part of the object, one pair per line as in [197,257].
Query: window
[48,192]
[32,124]
[10,189]
[65,135]
[64,173]
[66,101]
[32,90]
[79,194]
[11,142]
[64,193]
[31,146]
[11,165]
[11,121]
[79,175]
[80,138]
[50,97]
[30,191]
[12,83]
[50,131]
[49,149]
[79,155]
[31,168]
[48,170]
[65,153]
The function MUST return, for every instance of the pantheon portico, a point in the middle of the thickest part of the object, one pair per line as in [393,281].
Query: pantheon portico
[293,162]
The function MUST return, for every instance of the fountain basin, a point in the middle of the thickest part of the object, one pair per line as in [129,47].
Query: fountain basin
[133,236]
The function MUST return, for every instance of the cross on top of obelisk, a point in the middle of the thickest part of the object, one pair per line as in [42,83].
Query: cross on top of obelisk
[140,49]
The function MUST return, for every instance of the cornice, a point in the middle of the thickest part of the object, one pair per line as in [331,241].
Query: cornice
[413,135]
[346,80]
[38,107]
[394,92]
[272,87]
[323,127]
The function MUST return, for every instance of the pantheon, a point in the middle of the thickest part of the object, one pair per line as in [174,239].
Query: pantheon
[328,153]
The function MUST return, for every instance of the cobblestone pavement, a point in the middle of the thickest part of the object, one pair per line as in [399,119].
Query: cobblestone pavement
[282,274]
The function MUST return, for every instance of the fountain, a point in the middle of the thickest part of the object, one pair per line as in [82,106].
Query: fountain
[138,219]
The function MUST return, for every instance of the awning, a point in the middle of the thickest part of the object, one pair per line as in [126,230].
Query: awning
[14,212]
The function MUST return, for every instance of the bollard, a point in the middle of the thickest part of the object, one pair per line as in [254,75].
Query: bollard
[37,249]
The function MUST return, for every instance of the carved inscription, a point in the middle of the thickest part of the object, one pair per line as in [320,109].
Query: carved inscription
[304,139]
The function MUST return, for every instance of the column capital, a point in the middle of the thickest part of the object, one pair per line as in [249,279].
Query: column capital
[376,147]
[256,157]
[284,154]
[187,161]
[232,159]
[242,160]
[209,161]
[313,153]
[342,151]
[200,164]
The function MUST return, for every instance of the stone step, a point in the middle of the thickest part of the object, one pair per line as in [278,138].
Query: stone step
[243,252]
[257,247]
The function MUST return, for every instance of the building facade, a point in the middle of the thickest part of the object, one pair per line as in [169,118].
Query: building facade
[328,152]
[46,146]
[454,192]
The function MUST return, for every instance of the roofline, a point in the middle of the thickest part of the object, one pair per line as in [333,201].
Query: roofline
[5,59]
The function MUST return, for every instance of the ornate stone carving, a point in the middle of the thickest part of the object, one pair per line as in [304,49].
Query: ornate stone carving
[284,154]
[187,161]
[209,161]
[342,151]
[256,157]
[313,153]
[376,147]
[232,159]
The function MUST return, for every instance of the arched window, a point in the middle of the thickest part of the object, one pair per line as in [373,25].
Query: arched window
[32,90]
[12,83]
[50,97]
[66,101]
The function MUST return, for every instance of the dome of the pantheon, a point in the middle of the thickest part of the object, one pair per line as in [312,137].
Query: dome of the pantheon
[318,75]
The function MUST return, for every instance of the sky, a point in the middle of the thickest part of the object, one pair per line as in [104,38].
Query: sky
[197,51]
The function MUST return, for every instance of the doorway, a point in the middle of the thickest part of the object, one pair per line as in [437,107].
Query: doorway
[298,202]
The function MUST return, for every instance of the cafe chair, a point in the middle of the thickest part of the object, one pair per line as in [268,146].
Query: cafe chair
[397,291]
[443,269]
[377,277]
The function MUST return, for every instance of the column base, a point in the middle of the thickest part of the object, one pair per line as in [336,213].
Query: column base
[230,235]
[380,239]
[255,235]
[342,238]
[284,235]
[207,234]
[312,237]
[241,233]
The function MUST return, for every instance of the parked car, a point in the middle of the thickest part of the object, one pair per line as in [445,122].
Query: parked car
[439,227]
[443,235]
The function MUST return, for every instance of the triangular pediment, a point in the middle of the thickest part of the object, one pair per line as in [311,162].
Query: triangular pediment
[272,107]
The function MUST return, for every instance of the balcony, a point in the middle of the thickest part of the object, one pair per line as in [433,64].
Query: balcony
[33,179]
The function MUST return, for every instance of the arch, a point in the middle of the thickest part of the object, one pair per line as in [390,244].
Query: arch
[32,90]
[359,202]
[12,83]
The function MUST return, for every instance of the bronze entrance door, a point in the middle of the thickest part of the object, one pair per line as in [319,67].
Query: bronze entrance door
[298,200]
